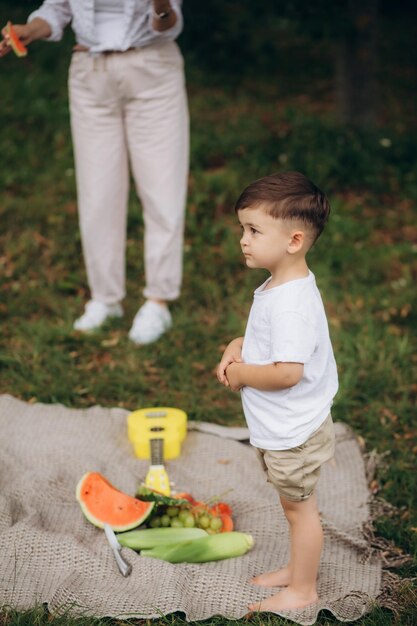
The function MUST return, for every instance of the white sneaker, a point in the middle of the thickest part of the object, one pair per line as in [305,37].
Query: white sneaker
[150,322]
[96,313]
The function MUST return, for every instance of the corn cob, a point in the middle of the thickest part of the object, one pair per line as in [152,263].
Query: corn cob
[209,548]
[151,537]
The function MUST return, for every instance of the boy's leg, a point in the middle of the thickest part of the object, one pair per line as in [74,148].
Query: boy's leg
[301,573]
[277,578]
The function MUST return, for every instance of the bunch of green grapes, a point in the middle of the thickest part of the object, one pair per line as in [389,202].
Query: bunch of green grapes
[187,517]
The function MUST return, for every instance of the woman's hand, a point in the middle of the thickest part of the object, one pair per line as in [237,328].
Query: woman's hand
[232,354]
[36,29]
[163,7]
[21,30]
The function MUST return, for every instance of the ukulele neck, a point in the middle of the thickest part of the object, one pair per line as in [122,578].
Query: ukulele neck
[157,451]
[157,477]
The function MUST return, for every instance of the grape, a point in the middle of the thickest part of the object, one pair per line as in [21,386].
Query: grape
[189,521]
[176,523]
[216,523]
[155,522]
[165,520]
[204,521]
[172,511]
[183,514]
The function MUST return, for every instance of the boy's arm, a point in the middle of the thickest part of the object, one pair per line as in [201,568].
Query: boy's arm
[270,377]
[232,354]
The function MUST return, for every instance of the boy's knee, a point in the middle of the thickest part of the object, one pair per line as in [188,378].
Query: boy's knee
[294,508]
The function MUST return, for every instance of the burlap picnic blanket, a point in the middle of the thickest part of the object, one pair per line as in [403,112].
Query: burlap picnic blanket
[49,552]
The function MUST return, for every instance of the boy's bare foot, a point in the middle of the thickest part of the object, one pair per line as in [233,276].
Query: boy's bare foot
[284,601]
[279,578]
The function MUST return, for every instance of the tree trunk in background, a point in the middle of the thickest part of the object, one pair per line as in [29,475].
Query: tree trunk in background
[356,65]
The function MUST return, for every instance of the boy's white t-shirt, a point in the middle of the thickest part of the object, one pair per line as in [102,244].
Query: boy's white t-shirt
[288,324]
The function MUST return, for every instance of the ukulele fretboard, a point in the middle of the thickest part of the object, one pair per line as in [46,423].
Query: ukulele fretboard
[157,449]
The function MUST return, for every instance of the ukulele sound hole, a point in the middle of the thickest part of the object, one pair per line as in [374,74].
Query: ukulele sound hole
[157,429]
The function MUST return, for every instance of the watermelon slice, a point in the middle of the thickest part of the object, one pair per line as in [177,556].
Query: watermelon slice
[18,48]
[102,504]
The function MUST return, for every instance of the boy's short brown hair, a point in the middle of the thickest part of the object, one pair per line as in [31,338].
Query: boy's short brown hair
[288,196]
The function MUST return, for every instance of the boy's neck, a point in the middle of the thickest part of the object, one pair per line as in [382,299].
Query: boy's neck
[286,273]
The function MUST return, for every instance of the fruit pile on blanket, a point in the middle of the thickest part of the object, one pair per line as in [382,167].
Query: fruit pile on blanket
[182,510]
[177,529]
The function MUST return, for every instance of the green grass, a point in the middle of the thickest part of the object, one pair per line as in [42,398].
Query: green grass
[40,617]
[365,264]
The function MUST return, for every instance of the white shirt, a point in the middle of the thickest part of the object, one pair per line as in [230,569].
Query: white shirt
[288,324]
[131,29]
[109,22]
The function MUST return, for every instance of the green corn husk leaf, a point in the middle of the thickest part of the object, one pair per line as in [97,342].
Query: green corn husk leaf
[152,537]
[148,495]
[210,548]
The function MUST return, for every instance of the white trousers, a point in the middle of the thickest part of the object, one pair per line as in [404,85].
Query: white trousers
[130,107]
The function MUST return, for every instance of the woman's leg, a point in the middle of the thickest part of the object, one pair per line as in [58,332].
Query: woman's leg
[101,173]
[156,123]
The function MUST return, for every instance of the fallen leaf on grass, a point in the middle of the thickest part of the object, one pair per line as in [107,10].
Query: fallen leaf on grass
[374,487]
[361,442]
[81,391]
[110,343]
[98,361]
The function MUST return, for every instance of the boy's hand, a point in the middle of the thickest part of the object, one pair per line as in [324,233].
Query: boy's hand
[222,367]
[232,354]
[232,374]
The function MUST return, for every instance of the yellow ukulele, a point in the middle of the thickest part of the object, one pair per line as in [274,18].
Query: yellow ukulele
[157,434]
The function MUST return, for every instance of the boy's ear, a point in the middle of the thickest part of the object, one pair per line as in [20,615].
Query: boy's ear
[296,242]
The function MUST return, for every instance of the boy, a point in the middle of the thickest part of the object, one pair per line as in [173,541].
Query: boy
[285,369]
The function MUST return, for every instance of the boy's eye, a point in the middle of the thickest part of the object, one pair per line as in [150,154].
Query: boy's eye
[253,230]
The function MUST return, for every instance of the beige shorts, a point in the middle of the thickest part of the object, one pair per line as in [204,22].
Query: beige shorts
[295,472]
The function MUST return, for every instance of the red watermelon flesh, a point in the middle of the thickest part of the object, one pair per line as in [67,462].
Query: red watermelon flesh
[18,47]
[102,504]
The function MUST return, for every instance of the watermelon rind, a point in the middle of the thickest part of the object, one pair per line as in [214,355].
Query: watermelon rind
[99,522]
